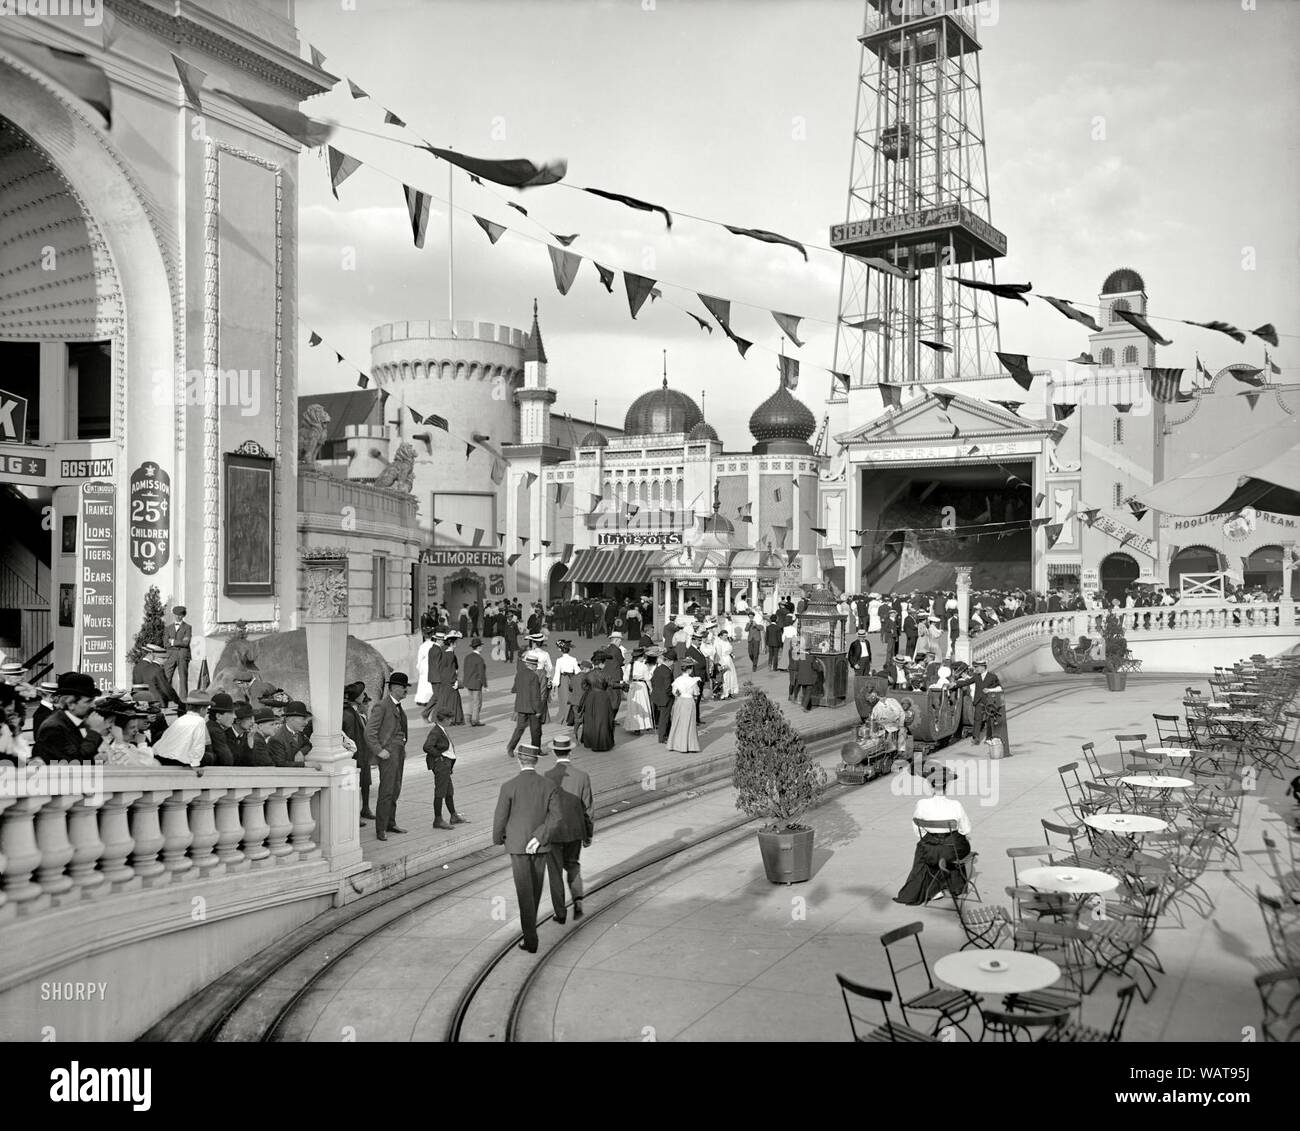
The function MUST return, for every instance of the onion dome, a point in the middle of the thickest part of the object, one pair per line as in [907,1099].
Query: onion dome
[782,417]
[594,439]
[662,411]
[702,431]
[1123,281]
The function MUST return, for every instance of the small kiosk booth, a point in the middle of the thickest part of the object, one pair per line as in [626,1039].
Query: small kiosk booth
[822,629]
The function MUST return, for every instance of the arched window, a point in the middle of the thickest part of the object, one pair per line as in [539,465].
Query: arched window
[645,493]
[1118,435]
[1107,356]
[1118,304]
[618,494]
[1192,559]
[681,494]
[608,492]
[1130,355]
[655,497]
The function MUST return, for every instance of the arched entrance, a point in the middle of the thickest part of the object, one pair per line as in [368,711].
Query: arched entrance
[555,587]
[464,587]
[1118,572]
[1264,568]
[1191,559]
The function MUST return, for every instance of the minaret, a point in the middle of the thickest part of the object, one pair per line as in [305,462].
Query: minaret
[535,399]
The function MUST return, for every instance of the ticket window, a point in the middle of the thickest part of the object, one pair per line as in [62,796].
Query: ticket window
[89,386]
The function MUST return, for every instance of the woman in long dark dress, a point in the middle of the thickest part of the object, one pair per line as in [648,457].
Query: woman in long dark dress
[597,714]
[995,712]
[925,882]
[447,700]
[582,688]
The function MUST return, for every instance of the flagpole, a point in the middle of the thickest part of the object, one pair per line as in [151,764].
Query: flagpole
[451,274]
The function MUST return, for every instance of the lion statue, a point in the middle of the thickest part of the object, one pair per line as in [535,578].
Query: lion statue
[312,430]
[399,475]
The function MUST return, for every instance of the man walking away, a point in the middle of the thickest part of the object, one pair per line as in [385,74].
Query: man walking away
[528,706]
[386,737]
[576,828]
[527,815]
[474,681]
[772,638]
[661,692]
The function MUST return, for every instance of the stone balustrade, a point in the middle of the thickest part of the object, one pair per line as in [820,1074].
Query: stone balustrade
[144,828]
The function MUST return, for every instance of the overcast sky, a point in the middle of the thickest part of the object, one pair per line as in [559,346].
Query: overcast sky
[743,112]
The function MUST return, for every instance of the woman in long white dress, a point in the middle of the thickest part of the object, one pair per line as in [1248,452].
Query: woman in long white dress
[423,688]
[683,737]
[726,660]
[639,717]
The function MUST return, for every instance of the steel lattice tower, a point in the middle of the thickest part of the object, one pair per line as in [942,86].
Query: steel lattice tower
[918,200]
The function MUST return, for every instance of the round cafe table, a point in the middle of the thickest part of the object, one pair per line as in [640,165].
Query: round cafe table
[1129,824]
[1156,781]
[1173,753]
[1018,972]
[1238,726]
[1067,881]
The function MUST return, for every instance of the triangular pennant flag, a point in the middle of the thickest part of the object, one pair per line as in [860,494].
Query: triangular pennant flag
[517,207]
[357,92]
[890,395]
[1085,359]
[779,533]
[1267,332]
[564,240]
[559,493]
[938,347]
[1222,327]
[478,536]
[1172,550]
[821,530]
[1016,291]
[768,237]
[1012,407]
[341,168]
[973,450]
[1038,500]
[501,537]
[317,57]
[479,181]
[789,324]
[415,415]
[545,542]
[776,493]
[872,324]
[956,432]
[1063,305]
[633,510]
[568,552]
[606,276]
[1164,384]
[1129,535]
[703,325]
[843,378]
[458,528]
[205,678]
[1272,366]
[944,399]
[632,202]
[1035,523]
[1252,399]
[1063,411]
[564,265]
[1142,324]
[1017,364]
[514,173]
[720,308]
[306,131]
[789,368]
[791,556]
[1123,407]
[469,450]
[523,538]
[391,119]
[529,479]
[1248,375]
[426,439]
[436,421]
[363,382]
[746,518]
[494,231]
[1202,373]
[742,344]
[1053,533]
[595,499]
[513,558]
[889,269]
[638,290]
[435,521]
[338,358]
[417,207]
[191,80]
[1137,508]
[315,339]
[71,69]
[1090,514]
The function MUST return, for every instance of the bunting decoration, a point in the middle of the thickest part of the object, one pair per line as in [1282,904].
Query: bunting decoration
[791,556]
[1164,383]
[779,533]
[1172,550]
[891,396]
[944,399]
[768,237]
[494,231]
[479,180]
[632,202]
[545,542]
[633,510]
[1065,307]
[391,119]
[315,339]
[1252,399]
[1273,367]
[517,207]
[819,530]
[469,450]
[501,537]
[776,493]
[938,347]
[1222,327]
[564,240]
[888,268]
[357,92]
[1063,411]
[872,324]
[1012,407]
[1017,364]
[1090,514]
[306,131]
[436,421]
[1123,407]
[843,378]
[1142,324]
[568,552]
[417,205]
[1248,376]
[415,415]
[191,80]
[341,168]
[1085,359]
[705,326]
[720,308]
[1035,523]
[606,276]
[638,290]
[478,537]
[789,367]
[1137,508]
[564,265]
[1053,533]
[789,324]
[1038,500]
[458,528]
[338,358]
[956,432]
[1016,291]
[1128,537]
[559,493]
[363,382]
[742,344]
[317,58]
[512,559]
[523,538]
[1202,374]
[84,79]
[513,173]
[1267,333]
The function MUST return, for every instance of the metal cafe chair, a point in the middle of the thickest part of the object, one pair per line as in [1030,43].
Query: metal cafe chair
[1283,927]
[1127,744]
[1001,1025]
[1090,756]
[1052,905]
[1063,944]
[890,1031]
[1075,850]
[985,925]
[1169,730]
[1075,795]
[1279,996]
[951,1006]
[1076,1033]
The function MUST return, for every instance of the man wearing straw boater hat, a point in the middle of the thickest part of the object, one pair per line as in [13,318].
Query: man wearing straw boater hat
[527,816]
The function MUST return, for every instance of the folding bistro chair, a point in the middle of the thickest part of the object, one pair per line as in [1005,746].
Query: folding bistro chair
[1283,927]
[1001,1025]
[1076,1033]
[1075,795]
[1127,744]
[1169,730]
[1098,774]
[1063,944]
[890,1031]
[951,1006]
[1279,996]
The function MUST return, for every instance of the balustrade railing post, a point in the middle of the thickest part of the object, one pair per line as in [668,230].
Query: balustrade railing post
[146,832]
[115,832]
[326,622]
[87,846]
[277,820]
[56,848]
[252,814]
[304,824]
[176,832]
[203,833]
[22,854]
[230,831]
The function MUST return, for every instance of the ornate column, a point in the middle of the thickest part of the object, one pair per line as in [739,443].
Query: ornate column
[714,607]
[1286,609]
[962,649]
[326,622]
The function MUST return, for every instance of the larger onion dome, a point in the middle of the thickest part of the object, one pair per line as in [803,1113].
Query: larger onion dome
[782,417]
[1124,281]
[662,411]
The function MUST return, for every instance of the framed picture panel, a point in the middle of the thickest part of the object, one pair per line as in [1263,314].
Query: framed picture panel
[249,557]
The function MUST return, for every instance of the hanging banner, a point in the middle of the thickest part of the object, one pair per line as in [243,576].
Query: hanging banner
[96,588]
[150,501]
[13,417]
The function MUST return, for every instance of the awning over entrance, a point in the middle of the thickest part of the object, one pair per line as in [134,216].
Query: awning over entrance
[611,567]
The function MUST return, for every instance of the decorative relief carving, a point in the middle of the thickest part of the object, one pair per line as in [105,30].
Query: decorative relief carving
[326,584]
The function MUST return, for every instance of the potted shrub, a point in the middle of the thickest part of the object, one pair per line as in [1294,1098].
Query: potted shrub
[777,781]
[1116,652]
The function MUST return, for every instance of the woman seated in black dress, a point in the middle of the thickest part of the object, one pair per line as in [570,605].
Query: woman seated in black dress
[926,881]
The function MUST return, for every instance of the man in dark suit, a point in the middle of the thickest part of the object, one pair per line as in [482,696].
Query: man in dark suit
[576,828]
[440,758]
[888,634]
[354,729]
[694,654]
[805,676]
[221,717]
[45,708]
[386,737]
[149,670]
[73,732]
[661,694]
[435,666]
[475,615]
[177,664]
[528,814]
[289,745]
[473,679]
[772,638]
[860,654]
[528,706]
[249,747]
[911,630]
